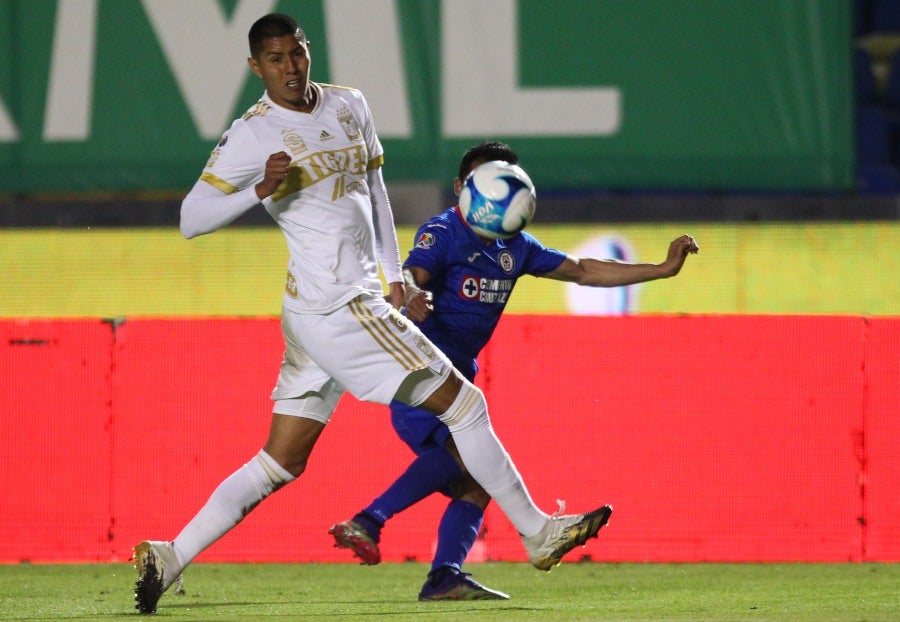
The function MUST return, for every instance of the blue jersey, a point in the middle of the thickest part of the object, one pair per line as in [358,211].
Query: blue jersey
[471,282]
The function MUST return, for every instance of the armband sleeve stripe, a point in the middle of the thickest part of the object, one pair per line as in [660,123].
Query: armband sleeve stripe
[375,163]
[218,182]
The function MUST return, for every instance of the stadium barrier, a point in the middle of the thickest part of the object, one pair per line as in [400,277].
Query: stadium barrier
[716,438]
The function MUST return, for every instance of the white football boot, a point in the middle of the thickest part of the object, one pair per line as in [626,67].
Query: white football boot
[158,569]
[562,533]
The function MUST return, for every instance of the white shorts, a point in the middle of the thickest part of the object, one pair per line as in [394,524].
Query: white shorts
[366,347]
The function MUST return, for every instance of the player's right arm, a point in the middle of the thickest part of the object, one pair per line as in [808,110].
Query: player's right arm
[237,178]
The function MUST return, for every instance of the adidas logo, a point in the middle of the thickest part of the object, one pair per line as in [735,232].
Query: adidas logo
[325,136]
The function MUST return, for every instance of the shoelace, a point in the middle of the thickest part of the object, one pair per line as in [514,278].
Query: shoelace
[562,507]
[179,586]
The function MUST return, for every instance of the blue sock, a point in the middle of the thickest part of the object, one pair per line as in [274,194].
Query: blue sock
[456,534]
[430,472]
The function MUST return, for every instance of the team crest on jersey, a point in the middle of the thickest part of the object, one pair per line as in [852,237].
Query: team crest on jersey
[348,123]
[506,261]
[291,285]
[469,288]
[293,141]
[426,240]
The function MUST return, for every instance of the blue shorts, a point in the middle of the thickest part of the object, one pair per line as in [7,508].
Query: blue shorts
[418,428]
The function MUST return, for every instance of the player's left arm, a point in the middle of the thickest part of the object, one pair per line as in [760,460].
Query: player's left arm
[610,273]
[419,301]
[386,237]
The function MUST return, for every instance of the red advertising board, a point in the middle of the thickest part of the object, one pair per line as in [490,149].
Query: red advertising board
[716,438]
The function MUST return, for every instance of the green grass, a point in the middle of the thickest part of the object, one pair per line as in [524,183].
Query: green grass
[585,591]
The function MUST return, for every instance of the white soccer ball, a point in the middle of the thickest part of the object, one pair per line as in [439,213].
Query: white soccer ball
[497,200]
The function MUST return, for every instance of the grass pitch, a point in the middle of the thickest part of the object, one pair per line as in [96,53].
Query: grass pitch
[574,591]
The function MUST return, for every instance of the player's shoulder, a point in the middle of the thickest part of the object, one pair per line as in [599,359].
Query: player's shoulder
[257,111]
[240,139]
[247,126]
[525,238]
[337,87]
[340,98]
[437,231]
[345,93]
[444,223]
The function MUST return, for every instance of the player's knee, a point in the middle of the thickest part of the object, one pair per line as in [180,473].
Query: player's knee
[291,459]
[451,448]
[293,464]
[468,409]
[467,489]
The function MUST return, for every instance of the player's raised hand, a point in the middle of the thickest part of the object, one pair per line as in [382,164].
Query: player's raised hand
[277,167]
[679,249]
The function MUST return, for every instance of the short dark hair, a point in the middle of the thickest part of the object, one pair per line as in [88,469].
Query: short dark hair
[487,151]
[273,25]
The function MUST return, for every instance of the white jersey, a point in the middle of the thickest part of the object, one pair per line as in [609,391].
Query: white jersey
[323,206]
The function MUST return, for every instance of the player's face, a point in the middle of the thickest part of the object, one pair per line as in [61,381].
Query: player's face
[283,67]
[458,183]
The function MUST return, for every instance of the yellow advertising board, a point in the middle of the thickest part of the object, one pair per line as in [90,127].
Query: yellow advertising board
[784,268]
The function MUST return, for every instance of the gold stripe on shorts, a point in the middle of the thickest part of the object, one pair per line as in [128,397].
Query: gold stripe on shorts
[381,333]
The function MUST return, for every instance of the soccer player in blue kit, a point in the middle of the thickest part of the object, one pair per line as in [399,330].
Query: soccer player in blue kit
[457,285]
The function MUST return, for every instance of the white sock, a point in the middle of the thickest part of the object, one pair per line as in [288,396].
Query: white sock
[229,504]
[487,461]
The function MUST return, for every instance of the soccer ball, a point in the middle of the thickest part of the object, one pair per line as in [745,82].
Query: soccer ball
[497,200]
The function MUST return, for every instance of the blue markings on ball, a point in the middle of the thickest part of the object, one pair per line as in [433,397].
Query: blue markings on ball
[497,200]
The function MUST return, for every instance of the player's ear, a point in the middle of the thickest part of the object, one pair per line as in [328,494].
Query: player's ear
[457,186]
[254,66]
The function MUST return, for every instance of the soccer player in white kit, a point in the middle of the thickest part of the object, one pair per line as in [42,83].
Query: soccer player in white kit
[309,154]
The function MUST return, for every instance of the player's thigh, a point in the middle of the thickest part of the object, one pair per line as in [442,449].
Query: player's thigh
[303,388]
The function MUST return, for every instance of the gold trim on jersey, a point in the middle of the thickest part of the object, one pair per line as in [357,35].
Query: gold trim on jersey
[340,188]
[325,85]
[259,109]
[218,182]
[374,163]
[290,286]
[381,332]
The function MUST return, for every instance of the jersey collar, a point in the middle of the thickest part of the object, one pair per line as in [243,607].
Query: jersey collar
[294,114]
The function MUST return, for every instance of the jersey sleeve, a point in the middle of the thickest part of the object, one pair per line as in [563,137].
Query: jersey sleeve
[541,259]
[385,229]
[429,252]
[370,136]
[225,189]
[237,161]
[386,244]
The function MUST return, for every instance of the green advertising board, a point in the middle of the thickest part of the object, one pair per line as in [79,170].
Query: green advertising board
[127,95]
